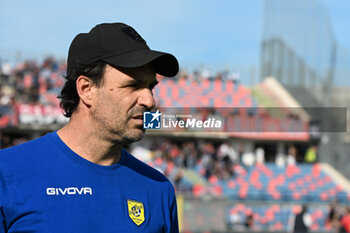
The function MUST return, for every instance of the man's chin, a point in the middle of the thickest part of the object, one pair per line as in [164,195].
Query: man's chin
[134,136]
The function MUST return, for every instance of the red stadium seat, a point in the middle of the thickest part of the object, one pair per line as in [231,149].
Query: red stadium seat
[296,195]
[231,184]
[213,179]
[198,190]
[324,196]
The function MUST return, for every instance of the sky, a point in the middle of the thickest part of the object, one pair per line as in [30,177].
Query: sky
[222,34]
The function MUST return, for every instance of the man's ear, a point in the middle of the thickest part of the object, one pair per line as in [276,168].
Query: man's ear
[84,89]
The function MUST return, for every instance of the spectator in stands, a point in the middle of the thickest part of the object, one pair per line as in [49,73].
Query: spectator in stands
[248,160]
[280,160]
[260,155]
[177,156]
[302,221]
[227,152]
[334,215]
[207,154]
[249,221]
[292,155]
[345,222]
[190,152]
[311,154]
[235,220]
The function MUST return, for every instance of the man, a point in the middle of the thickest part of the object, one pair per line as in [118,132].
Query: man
[345,221]
[80,179]
[311,154]
[302,221]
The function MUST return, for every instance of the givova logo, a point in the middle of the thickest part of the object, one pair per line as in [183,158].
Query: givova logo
[69,191]
[152,120]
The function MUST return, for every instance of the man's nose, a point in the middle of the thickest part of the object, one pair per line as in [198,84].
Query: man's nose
[146,99]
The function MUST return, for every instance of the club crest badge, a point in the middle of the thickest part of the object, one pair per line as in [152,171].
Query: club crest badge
[136,212]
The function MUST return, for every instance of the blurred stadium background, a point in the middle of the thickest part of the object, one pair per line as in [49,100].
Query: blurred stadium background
[234,181]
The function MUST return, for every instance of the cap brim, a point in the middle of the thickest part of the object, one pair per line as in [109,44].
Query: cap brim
[164,63]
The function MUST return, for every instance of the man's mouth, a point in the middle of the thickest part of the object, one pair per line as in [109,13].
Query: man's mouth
[140,117]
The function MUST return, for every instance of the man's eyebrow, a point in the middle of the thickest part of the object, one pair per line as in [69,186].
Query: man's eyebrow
[142,82]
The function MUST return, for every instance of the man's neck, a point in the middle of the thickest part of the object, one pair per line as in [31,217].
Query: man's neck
[85,142]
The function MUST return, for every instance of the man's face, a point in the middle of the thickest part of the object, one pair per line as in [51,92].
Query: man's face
[119,103]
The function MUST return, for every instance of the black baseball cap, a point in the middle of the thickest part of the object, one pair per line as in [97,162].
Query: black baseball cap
[120,46]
